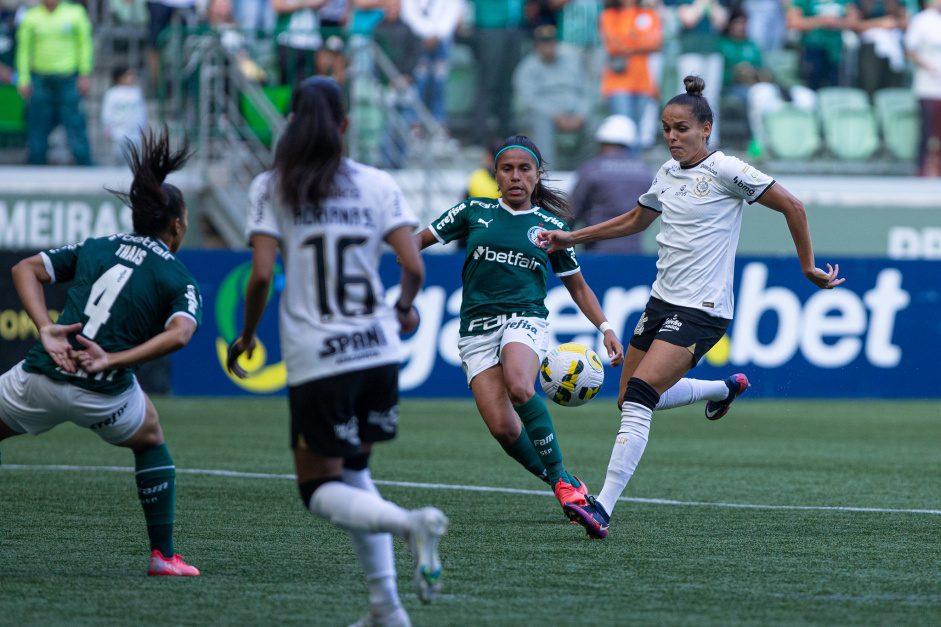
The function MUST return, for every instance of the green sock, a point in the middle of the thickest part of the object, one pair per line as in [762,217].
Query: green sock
[156,488]
[538,425]
[525,453]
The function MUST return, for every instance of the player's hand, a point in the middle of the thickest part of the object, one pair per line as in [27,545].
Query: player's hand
[552,241]
[93,359]
[615,348]
[236,348]
[55,339]
[408,322]
[825,279]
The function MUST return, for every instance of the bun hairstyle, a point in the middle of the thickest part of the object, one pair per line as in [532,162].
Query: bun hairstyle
[694,99]
[310,151]
[153,202]
[552,200]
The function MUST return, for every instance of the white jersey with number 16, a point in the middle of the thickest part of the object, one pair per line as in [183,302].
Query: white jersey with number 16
[333,316]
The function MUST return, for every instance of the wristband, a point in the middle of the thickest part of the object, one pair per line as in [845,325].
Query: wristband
[403,310]
[605,326]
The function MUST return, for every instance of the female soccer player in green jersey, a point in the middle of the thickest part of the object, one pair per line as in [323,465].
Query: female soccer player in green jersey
[131,301]
[504,333]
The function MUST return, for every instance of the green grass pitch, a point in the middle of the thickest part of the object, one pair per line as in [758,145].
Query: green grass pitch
[73,546]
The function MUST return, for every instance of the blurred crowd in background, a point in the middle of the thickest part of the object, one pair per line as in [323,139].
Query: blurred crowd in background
[552,69]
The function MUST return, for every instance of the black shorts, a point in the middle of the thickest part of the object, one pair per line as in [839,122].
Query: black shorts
[334,416]
[680,326]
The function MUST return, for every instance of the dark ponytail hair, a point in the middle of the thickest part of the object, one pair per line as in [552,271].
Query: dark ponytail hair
[308,154]
[153,202]
[694,99]
[552,200]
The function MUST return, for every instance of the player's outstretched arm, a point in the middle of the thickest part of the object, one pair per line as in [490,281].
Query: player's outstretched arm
[264,254]
[94,359]
[588,304]
[406,247]
[781,200]
[634,221]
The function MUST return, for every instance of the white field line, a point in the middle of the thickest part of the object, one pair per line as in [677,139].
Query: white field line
[476,488]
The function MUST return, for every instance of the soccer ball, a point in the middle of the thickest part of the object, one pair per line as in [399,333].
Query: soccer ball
[571,375]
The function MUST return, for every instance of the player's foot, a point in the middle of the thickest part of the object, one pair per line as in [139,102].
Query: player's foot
[737,385]
[426,527]
[397,618]
[567,493]
[589,515]
[169,566]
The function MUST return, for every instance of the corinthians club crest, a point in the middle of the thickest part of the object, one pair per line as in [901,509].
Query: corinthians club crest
[702,187]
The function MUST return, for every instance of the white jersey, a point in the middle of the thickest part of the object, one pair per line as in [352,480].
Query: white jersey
[701,208]
[333,315]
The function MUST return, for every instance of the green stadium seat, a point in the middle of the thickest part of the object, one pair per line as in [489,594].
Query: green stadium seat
[851,134]
[894,98]
[280,97]
[833,101]
[901,128]
[12,111]
[461,90]
[793,134]
[784,65]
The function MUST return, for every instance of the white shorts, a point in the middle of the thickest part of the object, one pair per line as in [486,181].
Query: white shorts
[34,403]
[480,352]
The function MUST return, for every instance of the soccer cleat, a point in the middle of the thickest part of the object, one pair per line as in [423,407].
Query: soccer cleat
[426,526]
[567,493]
[169,566]
[737,385]
[591,516]
[398,618]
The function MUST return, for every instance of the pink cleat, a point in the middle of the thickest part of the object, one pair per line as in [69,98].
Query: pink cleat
[169,566]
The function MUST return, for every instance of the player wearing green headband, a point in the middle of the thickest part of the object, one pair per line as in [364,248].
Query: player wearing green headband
[504,333]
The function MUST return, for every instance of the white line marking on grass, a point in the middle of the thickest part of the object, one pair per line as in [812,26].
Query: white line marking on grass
[477,488]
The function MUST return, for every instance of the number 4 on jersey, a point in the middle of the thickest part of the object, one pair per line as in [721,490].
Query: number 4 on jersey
[103,294]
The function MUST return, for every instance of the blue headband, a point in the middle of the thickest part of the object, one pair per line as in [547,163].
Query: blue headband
[516,146]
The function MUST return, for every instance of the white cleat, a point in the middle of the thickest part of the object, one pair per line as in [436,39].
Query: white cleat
[398,618]
[426,526]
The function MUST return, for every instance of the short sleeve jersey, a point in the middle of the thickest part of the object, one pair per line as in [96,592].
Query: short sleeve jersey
[701,207]
[504,272]
[333,317]
[125,290]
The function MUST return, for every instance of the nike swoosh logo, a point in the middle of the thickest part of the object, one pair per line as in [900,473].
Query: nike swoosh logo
[710,414]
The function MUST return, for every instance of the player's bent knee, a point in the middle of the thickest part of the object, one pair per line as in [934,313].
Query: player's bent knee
[308,488]
[520,391]
[640,392]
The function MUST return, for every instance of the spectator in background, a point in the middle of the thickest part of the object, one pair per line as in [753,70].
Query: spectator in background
[331,59]
[821,23]
[577,22]
[542,12]
[297,34]
[162,13]
[923,46]
[123,112]
[630,34]
[10,14]
[333,15]
[482,182]
[552,89]
[403,47]
[741,58]
[434,22]
[54,63]
[254,16]
[497,47]
[881,58]
[609,183]
[766,23]
[701,22]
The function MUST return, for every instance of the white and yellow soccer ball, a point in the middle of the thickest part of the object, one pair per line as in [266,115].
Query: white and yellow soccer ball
[571,375]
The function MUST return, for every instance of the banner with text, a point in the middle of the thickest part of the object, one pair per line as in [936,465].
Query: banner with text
[877,335]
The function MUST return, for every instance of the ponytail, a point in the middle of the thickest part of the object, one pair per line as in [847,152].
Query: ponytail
[153,202]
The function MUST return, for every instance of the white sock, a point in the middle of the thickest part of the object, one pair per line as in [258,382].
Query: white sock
[628,449]
[355,509]
[374,553]
[688,391]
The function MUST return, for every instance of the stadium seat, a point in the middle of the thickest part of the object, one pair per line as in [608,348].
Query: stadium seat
[793,134]
[900,120]
[851,134]
[12,111]
[784,65]
[461,89]
[280,97]
[833,98]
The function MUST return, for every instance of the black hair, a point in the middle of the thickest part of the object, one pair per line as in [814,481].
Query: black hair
[309,152]
[118,72]
[694,99]
[552,200]
[737,13]
[153,202]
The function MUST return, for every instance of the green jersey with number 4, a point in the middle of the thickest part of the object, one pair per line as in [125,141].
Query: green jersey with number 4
[505,272]
[125,290]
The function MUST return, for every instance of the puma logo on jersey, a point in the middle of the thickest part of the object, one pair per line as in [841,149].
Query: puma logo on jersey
[486,223]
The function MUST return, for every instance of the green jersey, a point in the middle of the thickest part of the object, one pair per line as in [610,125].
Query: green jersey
[125,290]
[505,272]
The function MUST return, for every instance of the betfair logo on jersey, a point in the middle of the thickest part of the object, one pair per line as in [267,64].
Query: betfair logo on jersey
[749,191]
[512,259]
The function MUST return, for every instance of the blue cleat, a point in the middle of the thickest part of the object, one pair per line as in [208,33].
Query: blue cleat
[591,516]
[737,385]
